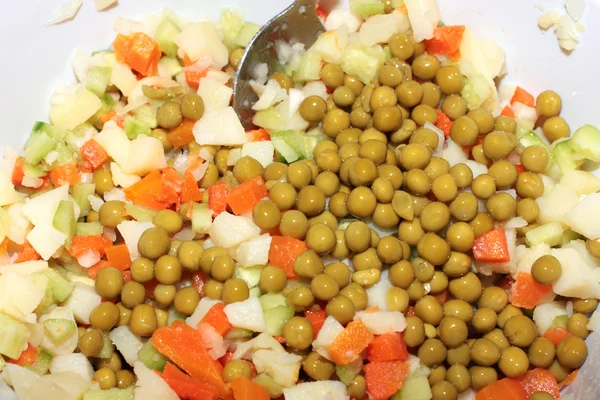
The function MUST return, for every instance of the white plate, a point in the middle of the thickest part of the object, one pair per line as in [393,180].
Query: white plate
[36,58]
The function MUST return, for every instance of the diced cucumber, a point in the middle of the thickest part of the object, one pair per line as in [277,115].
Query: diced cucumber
[348,372]
[76,137]
[362,61]
[275,389]
[564,154]
[151,357]
[60,285]
[108,104]
[475,91]
[140,213]
[238,333]
[42,361]
[65,155]
[171,65]
[549,234]
[568,236]
[276,317]
[231,23]
[110,394]
[523,126]
[586,143]
[64,221]
[134,128]
[13,337]
[366,8]
[246,33]
[166,32]
[173,315]
[59,329]
[38,146]
[255,292]
[250,275]
[414,388]
[559,321]
[50,130]
[146,115]
[272,300]
[309,68]
[310,142]
[285,152]
[88,229]
[290,144]
[201,218]
[80,193]
[34,170]
[98,80]
[107,349]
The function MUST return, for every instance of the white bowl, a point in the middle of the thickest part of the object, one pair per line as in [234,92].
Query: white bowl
[36,58]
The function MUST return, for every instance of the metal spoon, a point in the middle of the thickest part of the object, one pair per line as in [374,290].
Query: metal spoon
[298,23]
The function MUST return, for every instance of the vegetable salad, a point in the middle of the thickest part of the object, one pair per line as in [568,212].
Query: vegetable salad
[394,228]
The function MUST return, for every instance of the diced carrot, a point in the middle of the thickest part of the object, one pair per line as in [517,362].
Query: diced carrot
[491,247]
[520,169]
[190,190]
[182,134]
[217,197]
[316,319]
[526,292]
[18,173]
[443,297]
[94,153]
[385,378]
[127,277]
[66,174]
[246,195]
[522,96]
[226,358]
[27,253]
[183,346]
[557,334]
[507,282]
[283,253]
[244,389]
[147,192]
[387,347]
[217,318]
[119,257]
[568,380]
[108,116]
[348,345]
[280,339]
[28,356]
[446,40]
[150,286]
[410,311]
[504,389]
[539,380]
[508,112]
[170,186]
[82,244]
[187,387]
[99,266]
[198,281]
[143,54]
[258,135]
[443,122]
[193,78]
[121,47]
[85,166]
[321,12]
[4,246]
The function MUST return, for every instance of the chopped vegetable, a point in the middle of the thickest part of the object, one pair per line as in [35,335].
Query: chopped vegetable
[217,318]
[504,389]
[385,378]
[244,389]
[242,198]
[348,345]
[491,247]
[387,347]
[187,387]
[446,40]
[539,380]
[283,253]
[523,97]
[526,292]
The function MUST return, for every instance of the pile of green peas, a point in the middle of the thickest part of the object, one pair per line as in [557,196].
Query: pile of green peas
[377,165]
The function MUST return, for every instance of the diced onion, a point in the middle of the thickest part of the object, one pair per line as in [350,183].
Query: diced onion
[89,258]
[87,177]
[440,146]
[32,182]
[205,154]
[185,234]
[96,202]
[110,234]
[51,157]
[515,223]
[66,10]
[203,63]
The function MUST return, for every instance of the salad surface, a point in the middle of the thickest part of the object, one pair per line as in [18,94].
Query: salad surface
[395,227]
